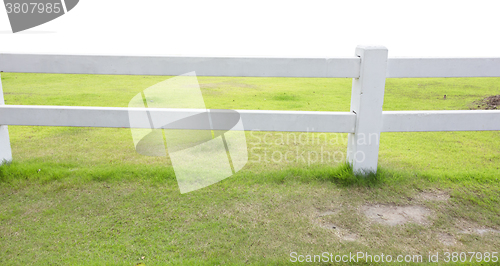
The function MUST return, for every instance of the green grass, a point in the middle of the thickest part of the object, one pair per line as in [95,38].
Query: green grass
[83,196]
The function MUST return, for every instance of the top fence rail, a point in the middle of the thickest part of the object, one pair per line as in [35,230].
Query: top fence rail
[348,67]
[173,66]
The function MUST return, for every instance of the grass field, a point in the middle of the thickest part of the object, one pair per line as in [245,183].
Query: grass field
[83,196]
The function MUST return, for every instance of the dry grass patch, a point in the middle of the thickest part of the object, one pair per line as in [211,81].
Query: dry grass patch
[433,195]
[447,239]
[466,227]
[396,215]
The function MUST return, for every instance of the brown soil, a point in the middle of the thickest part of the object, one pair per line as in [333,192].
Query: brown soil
[488,103]
[472,228]
[447,239]
[436,195]
[396,215]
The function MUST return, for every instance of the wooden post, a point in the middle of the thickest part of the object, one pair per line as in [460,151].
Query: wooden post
[367,98]
[5,150]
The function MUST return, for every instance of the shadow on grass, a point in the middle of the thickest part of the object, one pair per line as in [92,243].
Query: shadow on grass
[341,175]
[43,172]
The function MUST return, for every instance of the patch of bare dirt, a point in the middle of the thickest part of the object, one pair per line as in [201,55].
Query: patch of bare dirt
[396,215]
[488,103]
[447,239]
[347,236]
[482,231]
[433,196]
[471,228]
[329,226]
[342,233]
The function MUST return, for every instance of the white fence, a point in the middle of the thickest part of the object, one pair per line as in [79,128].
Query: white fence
[369,69]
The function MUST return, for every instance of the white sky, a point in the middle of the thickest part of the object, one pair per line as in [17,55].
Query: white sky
[437,28]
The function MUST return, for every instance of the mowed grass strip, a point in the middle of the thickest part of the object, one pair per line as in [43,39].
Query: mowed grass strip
[83,196]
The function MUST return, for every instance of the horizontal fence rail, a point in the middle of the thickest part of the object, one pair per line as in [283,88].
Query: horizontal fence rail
[253,120]
[173,66]
[369,68]
[118,117]
[414,121]
[245,67]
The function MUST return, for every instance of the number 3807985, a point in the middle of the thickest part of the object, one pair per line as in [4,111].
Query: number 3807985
[32,8]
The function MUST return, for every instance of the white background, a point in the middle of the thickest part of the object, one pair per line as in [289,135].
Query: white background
[437,28]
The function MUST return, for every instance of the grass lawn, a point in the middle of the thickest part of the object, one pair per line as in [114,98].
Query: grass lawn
[83,196]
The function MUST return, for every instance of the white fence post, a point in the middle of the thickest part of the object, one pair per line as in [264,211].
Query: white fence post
[367,99]
[5,150]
